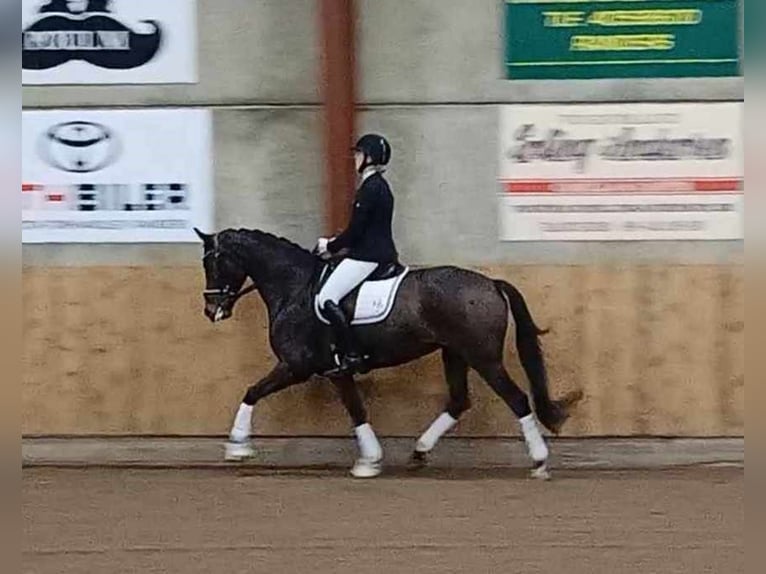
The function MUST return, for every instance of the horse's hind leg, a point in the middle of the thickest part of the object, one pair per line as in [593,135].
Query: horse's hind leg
[368,464]
[517,400]
[456,373]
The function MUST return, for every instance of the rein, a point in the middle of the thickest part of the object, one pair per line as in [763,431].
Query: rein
[226,293]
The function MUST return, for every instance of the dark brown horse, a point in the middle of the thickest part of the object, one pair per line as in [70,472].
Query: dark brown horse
[459,312]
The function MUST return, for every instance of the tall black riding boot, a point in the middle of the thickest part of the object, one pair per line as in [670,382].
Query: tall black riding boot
[351,360]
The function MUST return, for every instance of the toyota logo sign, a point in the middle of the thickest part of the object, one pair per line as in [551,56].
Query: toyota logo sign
[79,147]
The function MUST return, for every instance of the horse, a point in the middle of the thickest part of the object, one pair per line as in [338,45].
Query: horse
[461,313]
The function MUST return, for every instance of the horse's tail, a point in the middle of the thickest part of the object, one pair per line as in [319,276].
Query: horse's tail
[552,414]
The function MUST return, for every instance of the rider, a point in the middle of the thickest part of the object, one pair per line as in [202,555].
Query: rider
[369,241]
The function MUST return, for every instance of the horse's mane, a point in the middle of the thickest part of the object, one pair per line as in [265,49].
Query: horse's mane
[270,237]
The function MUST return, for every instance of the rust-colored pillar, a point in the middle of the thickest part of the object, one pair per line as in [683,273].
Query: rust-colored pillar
[337,19]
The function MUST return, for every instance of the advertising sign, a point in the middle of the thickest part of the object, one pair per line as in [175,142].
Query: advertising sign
[116,176]
[622,172]
[108,41]
[571,39]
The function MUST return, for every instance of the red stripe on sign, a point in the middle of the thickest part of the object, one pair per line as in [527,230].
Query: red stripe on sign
[718,185]
[656,186]
[27,187]
[55,197]
[528,186]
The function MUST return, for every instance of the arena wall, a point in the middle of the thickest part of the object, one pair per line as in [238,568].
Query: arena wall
[657,350]
[114,339]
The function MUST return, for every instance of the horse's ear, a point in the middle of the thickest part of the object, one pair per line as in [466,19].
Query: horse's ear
[203,236]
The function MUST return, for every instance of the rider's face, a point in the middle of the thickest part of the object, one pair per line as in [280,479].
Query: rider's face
[358,160]
[77,6]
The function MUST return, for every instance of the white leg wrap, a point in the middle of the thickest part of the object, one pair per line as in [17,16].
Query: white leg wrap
[538,450]
[240,430]
[441,425]
[369,447]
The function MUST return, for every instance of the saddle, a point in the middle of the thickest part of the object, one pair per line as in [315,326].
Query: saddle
[373,300]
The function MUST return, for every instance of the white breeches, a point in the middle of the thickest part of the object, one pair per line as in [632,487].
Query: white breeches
[345,278]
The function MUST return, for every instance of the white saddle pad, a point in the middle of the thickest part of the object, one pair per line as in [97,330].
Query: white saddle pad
[374,302]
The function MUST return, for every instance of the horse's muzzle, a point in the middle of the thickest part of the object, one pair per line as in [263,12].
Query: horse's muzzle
[217,312]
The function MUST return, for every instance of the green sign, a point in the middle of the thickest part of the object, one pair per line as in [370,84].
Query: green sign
[575,39]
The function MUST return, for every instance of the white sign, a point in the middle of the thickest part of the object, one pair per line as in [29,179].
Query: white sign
[108,41]
[124,176]
[622,172]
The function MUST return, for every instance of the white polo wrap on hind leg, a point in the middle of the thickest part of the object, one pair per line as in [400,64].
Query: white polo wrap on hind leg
[369,447]
[538,450]
[243,421]
[441,425]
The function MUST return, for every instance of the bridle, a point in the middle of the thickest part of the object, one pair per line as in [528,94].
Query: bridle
[225,295]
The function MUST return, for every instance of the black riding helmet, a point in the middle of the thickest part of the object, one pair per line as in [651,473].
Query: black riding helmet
[376,150]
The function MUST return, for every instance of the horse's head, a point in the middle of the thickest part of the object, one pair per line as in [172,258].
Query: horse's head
[224,276]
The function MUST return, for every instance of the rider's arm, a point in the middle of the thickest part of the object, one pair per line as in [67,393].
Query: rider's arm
[363,207]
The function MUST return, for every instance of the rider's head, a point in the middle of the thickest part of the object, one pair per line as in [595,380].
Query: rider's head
[371,150]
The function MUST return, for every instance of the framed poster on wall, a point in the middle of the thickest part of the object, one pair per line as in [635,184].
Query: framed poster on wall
[108,41]
[585,39]
[125,176]
[621,172]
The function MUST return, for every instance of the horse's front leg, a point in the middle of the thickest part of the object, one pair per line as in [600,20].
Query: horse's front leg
[281,377]
[368,465]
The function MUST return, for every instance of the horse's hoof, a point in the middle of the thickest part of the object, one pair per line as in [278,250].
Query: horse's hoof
[541,472]
[238,451]
[366,468]
[418,460]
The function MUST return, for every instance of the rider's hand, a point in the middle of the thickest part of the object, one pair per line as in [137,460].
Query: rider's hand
[322,245]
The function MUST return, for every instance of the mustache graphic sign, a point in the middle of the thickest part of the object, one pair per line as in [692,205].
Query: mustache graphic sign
[99,40]
[108,41]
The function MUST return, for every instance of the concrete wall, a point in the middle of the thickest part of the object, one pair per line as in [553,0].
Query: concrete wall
[133,359]
[258,68]
[431,76]
[250,51]
[410,52]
